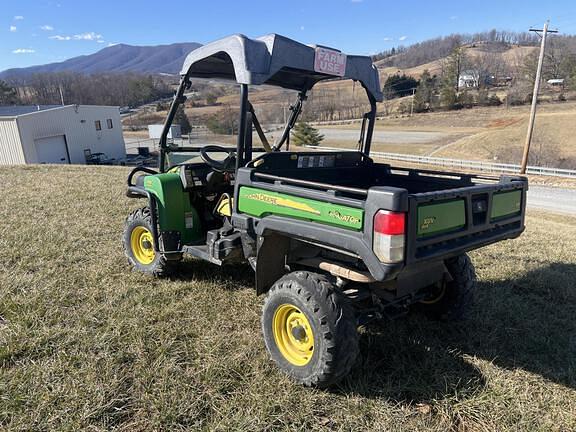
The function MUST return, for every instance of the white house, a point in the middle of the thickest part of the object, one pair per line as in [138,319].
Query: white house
[555,82]
[59,134]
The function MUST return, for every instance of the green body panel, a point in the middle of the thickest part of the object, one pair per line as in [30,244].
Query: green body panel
[506,204]
[437,218]
[260,203]
[174,210]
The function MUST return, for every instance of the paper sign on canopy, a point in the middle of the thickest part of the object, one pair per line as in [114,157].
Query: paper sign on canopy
[330,62]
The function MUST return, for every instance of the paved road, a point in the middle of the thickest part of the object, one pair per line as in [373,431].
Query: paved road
[384,137]
[553,199]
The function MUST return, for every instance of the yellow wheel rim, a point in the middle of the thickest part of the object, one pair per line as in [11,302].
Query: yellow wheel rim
[293,334]
[437,297]
[142,245]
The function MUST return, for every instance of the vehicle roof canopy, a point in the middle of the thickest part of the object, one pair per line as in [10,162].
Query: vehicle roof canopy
[274,60]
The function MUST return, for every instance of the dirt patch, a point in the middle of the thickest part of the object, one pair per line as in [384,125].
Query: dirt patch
[502,123]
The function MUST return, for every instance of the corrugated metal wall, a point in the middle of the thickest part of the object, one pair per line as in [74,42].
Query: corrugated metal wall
[10,146]
[76,123]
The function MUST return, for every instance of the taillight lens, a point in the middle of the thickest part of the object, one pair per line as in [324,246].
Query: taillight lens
[389,231]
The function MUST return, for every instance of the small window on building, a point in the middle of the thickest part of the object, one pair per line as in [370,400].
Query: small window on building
[109,123]
[98,125]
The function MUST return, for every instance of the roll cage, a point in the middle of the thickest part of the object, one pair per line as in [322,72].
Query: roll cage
[270,60]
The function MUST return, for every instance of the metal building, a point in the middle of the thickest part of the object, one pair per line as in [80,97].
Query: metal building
[59,134]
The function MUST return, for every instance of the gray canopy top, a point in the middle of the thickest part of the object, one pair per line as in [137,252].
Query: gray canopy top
[274,60]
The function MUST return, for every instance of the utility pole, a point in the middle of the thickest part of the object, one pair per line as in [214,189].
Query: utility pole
[412,102]
[61,94]
[544,31]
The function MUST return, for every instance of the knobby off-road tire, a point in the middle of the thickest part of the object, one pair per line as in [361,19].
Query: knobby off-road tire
[456,298]
[138,247]
[324,342]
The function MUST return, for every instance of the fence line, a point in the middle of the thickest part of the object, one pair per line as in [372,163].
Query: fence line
[502,168]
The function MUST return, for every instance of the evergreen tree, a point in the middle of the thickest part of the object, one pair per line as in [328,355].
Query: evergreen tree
[304,134]
[7,94]
[450,76]
[448,97]
[424,92]
[182,119]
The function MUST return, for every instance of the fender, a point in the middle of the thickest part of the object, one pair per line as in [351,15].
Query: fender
[175,221]
[274,233]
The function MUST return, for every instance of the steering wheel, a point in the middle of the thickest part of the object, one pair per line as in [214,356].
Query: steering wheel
[223,166]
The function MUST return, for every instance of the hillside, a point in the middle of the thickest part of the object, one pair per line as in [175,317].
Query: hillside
[507,58]
[87,344]
[118,58]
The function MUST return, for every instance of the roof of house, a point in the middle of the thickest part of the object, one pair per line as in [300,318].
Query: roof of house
[18,110]
[274,60]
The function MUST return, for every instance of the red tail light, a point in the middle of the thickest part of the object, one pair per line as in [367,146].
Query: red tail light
[389,229]
[389,223]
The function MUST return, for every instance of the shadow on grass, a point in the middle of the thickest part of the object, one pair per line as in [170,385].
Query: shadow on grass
[526,323]
[229,276]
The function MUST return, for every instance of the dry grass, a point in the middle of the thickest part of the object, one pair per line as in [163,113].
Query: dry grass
[86,344]
[554,132]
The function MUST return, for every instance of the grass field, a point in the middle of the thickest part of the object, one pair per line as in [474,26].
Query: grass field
[491,134]
[86,344]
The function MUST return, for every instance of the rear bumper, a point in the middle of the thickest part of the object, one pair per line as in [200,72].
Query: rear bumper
[338,238]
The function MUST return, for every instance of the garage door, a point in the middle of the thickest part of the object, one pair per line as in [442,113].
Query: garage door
[52,150]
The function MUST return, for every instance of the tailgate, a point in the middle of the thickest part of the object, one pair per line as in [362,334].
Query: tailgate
[448,223]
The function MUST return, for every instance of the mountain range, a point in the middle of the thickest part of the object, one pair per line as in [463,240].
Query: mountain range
[117,58]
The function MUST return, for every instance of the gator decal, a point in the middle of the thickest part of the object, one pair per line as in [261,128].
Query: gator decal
[343,217]
[260,203]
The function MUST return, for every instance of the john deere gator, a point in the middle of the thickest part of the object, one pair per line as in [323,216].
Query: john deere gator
[335,239]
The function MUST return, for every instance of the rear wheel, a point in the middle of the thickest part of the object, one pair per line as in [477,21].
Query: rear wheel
[309,329]
[451,300]
[138,244]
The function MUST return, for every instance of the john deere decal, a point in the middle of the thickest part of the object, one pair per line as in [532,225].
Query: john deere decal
[283,202]
[261,203]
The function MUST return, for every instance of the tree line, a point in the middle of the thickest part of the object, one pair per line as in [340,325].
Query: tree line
[121,89]
[434,49]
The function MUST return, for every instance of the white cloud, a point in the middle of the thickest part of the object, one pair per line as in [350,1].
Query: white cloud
[18,18]
[89,36]
[13,29]
[61,38]
[46,27]
[402,38]
[387,39]
[101,41]
[23,51]
[301,27]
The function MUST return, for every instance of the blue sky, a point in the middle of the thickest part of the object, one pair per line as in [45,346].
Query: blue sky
[45,31]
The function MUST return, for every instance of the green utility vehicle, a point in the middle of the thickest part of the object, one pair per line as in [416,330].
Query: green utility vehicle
[335,239]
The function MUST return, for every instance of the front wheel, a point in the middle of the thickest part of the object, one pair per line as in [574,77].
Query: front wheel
[138,244]
[309,329]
